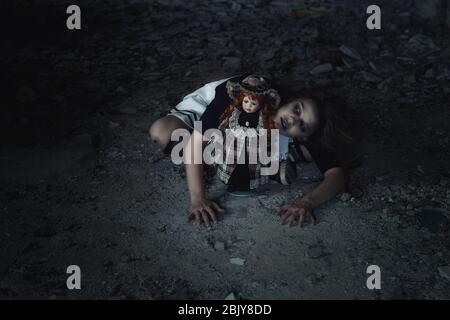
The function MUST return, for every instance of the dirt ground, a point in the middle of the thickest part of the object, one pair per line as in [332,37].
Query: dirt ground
[81,182]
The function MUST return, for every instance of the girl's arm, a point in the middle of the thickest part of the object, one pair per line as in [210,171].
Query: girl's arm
[333,183]
[202,209]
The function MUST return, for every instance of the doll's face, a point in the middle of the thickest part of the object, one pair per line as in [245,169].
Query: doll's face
[250,105]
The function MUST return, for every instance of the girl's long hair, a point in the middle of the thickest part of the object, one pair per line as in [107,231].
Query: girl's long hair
[337,132]
[338,127]
[265,108]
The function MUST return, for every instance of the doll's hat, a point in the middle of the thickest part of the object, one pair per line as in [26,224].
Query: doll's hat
[255,85]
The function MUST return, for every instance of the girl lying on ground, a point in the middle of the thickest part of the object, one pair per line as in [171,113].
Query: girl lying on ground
[318,130]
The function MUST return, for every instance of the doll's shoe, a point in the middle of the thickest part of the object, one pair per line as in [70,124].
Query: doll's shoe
[241,194]
[236,192]
[239,191]
[288,171]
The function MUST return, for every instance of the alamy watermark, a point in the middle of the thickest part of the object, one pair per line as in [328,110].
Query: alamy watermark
[233,147]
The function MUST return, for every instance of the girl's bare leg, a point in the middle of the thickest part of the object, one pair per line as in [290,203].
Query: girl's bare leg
[162,129]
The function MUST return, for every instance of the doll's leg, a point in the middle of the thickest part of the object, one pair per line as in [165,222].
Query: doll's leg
[161,130]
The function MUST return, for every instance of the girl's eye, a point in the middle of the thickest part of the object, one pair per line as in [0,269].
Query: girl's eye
[254,103]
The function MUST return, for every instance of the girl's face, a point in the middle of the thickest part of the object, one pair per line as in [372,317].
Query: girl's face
[250,105]
[297,119]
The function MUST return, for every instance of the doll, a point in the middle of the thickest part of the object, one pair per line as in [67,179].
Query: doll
[253,104]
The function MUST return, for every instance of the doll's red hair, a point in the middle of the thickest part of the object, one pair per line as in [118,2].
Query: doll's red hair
[264,107]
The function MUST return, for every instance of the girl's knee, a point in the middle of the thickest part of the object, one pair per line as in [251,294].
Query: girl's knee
[158,133]
[161,130]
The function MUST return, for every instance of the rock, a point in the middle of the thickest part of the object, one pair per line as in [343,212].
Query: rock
[113,125]
[444,272]
[231,296]
[220,246]
[313,278]
[443,182]
[237,261]
[345,196]
[420,42]
[315,251]
[232,64]
[350,52]
[369,77]
[322,68]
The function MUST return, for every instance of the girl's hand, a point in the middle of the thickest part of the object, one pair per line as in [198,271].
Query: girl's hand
[301,208]
[203,210]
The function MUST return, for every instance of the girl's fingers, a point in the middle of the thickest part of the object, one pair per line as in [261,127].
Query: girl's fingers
[282,209]
[290,220]
[313,218]
[216,206]
[197,216]
[205,218]
[285,216]
[211,214]
[302,218]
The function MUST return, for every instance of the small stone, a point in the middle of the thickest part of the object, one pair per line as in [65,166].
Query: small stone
[350,52]
[314,252]
[381,178]
[237,261]
[322,68]
[231,296]
[445,272]
[345,196]
[113,125]
[220,246]
[369,77]
[313,278]
[420,169]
